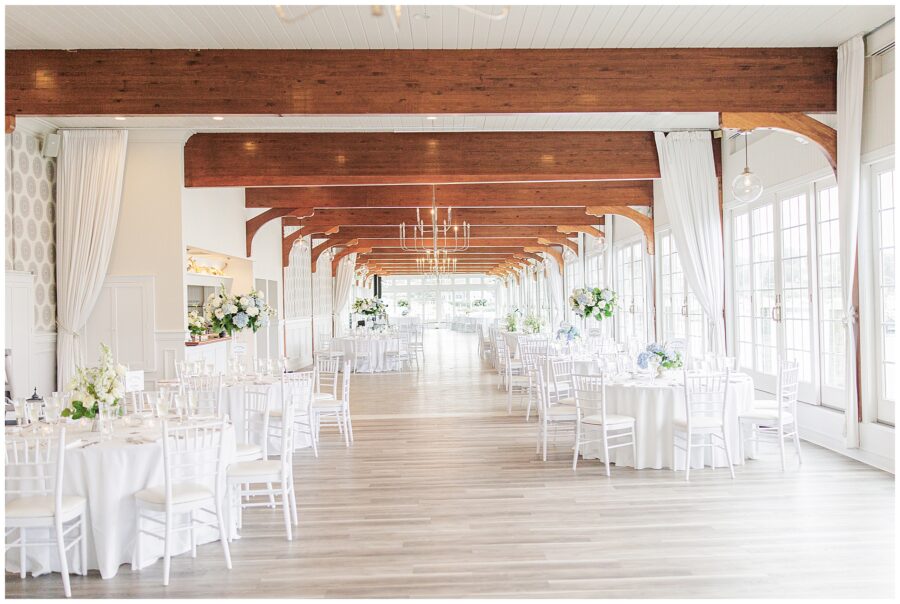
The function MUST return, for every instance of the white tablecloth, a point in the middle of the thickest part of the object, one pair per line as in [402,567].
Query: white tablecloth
[108,474]
[655,404]
[233,405]
[374,349]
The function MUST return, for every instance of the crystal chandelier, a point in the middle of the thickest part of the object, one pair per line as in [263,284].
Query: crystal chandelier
[440,236]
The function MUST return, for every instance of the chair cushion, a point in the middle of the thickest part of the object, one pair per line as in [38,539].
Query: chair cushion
[324,404]
[700,423]
[770,415]
[259,467]
[42,506]
[323,396]
[611,420]
[248,450]
[184,492]
[561,411]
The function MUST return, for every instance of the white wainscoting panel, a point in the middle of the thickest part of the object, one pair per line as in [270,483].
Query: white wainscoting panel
[124,319]
[298,341]
[43,363]
[19,324]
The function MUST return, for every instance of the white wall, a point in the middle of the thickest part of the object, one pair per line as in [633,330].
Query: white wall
[149,233]
[214,219]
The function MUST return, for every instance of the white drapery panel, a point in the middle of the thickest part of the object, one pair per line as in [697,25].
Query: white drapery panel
[88,196]
[850,85]
[691,192]
[556,293]
[343,285]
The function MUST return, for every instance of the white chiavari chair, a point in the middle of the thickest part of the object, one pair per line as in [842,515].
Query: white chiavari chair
[553,409]
[34,471]
[276,474]
[776,420]
[399,352]
[590,403]
[532,350]
[335,409]
[202,396]
[253,443]
[705,408]
[297,387]
[515,379]
[194,471]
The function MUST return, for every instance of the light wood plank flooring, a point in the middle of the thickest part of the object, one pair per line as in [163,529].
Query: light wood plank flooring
[442,495]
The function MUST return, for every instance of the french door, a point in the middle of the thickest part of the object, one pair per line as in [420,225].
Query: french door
[773,294]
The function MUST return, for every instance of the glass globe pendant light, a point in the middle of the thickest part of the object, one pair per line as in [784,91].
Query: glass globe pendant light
[747,187]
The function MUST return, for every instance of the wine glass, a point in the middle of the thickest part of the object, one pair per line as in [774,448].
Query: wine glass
[162,404]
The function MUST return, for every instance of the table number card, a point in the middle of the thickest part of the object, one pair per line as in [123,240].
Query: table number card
[134,381]
[238,349]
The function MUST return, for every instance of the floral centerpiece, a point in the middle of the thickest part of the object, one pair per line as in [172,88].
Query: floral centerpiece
[228,314]
[197,324]
[371,307]
[657,355]
[480,303]
[253,312]
[512,319]
[567,332]
[95,386]
[533,324]
[593,302]
[403,304]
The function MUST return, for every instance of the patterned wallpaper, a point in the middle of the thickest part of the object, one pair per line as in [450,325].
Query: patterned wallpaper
[30,225]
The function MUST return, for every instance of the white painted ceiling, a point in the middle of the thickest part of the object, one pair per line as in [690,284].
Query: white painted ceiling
[354,27]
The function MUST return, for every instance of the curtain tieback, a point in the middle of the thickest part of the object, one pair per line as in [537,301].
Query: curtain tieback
[67,331]
[851,317]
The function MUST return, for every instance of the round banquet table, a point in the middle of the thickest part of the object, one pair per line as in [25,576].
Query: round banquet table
[108,474]
[372,351]
[233,405]
[655,404]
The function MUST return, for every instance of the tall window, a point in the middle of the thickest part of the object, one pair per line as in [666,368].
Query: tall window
[883,208]
[680,314]
[794,312]
[630,287]
[594,274]
[831,306]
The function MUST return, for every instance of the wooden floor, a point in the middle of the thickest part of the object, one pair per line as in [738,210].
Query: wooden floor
[442,495]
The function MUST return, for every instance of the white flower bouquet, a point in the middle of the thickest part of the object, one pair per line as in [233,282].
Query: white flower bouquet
[93,386]
[533,324]
[229,314]
[372,307]
[197,323]
[593,302]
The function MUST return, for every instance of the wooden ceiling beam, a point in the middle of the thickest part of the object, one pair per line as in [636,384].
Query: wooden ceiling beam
[556,194]
[393,232]
[335,82]
[518,216]
[279,159]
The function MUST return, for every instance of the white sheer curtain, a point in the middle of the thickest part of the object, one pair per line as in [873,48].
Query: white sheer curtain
[850,84]
[556,293]
[343,286]
[88,196]
[692,199]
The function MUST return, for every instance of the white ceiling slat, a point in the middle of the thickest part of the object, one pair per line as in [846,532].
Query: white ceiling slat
[350,26]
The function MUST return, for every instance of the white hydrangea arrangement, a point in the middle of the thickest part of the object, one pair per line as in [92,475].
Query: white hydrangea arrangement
[372,307]
[93,386]
[229,314]
[594,302]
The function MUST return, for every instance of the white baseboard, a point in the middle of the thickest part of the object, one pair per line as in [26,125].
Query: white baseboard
[824,427]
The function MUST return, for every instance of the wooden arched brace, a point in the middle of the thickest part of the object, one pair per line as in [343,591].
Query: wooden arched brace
[642,220]
[532,255]
[824,136]
[257,222]
[335,262]
[328,243]
[590,230]
[557,255]
[561,240]
[286,244]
